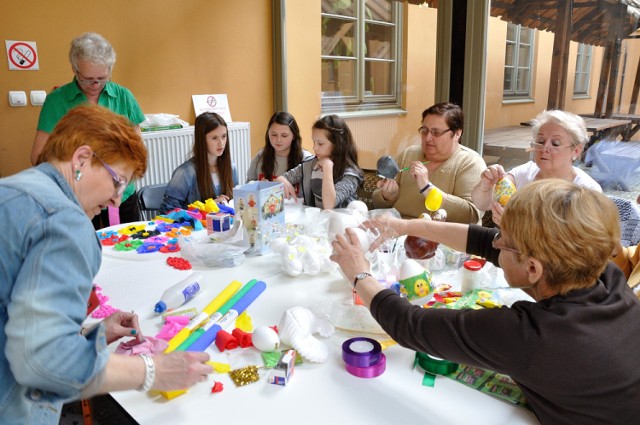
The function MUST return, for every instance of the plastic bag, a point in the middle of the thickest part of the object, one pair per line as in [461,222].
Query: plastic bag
[162,120]
[224,249]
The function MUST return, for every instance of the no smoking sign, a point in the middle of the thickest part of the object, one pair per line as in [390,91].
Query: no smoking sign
[22,55]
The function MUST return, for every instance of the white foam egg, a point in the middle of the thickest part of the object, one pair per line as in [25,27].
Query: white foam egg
[359,206]
[410,268]
[265,339]
[363,237]
[292,267]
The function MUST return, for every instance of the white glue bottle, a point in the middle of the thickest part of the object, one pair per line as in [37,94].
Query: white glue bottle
[180,293]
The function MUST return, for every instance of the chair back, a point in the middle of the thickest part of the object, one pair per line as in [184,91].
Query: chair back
[629,213]
[150,198]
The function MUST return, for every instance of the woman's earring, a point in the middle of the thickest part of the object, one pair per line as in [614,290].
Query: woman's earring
[573,158]
[78,174]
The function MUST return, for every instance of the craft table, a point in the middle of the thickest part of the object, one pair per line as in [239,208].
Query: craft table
[317,393]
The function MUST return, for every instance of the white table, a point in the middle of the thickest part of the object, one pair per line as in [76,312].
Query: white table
[318,393]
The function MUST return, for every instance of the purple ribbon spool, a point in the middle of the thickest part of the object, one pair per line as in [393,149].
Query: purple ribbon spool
[368,372]
[361,352]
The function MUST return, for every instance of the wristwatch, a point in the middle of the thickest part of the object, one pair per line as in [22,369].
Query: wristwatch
[360,276]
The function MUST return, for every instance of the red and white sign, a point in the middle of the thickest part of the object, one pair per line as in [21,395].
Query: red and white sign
[22,55]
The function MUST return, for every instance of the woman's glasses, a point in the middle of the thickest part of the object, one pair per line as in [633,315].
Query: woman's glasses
[119,184]
[540,145]
[434,131]
[497,244]
[88,82]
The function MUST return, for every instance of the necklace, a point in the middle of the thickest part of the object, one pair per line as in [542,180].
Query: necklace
[569,177]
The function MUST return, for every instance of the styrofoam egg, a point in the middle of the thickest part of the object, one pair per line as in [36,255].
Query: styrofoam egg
[363,237]
[292,266]
[265,339]
[410,268]
[340,221]
[359,206]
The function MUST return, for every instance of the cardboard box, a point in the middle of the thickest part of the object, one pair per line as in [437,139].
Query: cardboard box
[260,205]
[218,222]
[282,373]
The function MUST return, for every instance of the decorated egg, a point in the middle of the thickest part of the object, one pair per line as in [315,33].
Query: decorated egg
[503,190]
[265,339]
[415,281]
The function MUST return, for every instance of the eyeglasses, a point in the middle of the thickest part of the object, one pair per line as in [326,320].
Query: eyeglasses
[119,184]
[496,244]
[434,131]
[540,145]
[89,83]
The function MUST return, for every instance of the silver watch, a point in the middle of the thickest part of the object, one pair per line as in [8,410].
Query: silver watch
[360,276]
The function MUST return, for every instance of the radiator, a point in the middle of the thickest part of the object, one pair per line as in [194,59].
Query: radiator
[170,148]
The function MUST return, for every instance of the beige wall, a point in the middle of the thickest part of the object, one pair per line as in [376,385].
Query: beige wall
[172,49]
[303,65]
[166,50]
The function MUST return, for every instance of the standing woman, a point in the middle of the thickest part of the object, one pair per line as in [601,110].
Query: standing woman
[92,59]
[331,178]
[210,173]
[282,149]
[50,257]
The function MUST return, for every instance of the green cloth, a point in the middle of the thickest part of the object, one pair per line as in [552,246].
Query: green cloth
[114,97]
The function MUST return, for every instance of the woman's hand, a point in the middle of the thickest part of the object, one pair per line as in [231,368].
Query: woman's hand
[348,253]
[121,324]
[289,190]
[180,369]
[386,226]
[222,199]
[490,177]
[325,165]
[390,189]
[420,173]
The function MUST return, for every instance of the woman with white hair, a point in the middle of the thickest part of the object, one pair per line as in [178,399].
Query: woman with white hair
[92,58]
[559,139]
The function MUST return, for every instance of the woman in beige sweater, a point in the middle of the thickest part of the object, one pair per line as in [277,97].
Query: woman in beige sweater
[439,162]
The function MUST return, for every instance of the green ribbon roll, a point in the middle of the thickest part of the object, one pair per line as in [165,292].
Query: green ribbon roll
[433,366]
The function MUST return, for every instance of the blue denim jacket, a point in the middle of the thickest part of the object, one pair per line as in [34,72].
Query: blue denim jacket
[182,190]
[50,254]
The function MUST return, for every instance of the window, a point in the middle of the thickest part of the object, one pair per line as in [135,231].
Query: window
[361,54]
[518,61]
[583,70]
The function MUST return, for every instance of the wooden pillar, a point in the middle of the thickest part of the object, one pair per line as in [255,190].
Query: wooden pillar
[604,78]
[560,58]
[634,93]
[616,25]
[613,77]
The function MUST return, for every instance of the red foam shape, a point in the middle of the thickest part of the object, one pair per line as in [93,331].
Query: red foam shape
[244,338]
[217,387]
[179,263]
[226,341]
